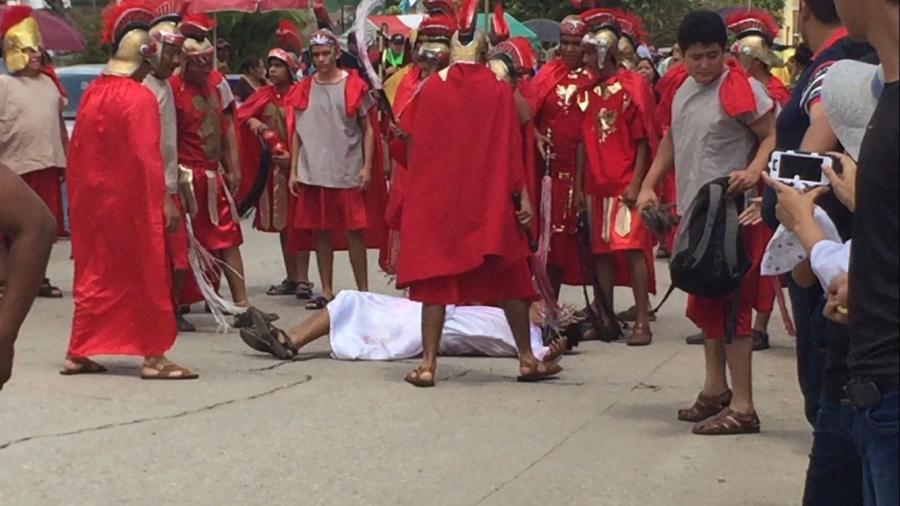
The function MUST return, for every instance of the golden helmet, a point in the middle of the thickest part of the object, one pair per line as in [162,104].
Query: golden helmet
[606,42]
[755,31]
[20,34]
[126,30]
[473,52]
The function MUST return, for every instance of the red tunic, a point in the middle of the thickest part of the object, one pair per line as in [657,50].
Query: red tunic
[123,302]
[618,120]
[560,113]
[459,239]
[778,91]
[201,130]
[275,207]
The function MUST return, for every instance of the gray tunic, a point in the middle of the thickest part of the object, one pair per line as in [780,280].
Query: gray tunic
[710,144]
[332,152]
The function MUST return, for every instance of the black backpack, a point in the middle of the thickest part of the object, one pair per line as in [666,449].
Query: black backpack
[708,258]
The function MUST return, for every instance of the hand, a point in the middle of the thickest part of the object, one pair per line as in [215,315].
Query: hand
[544,143]
[7,352]
[794,209]
[580,200]
[836,307]
[256,126]
[843,184]
[172,215]
[752,214]
[365,177]
[646,197]
[631,194]
[525,215]
[741,181]
[294,184]
[281,159]
[234,181]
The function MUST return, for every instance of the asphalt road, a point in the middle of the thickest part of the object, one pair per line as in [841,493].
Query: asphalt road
[253,431]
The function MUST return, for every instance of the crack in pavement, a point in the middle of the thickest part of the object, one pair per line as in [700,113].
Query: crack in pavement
[573,433]
[139,421]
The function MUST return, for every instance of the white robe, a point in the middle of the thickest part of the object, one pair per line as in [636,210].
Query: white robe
[370,326]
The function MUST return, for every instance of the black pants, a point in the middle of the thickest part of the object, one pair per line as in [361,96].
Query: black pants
[835,474]
[807,306]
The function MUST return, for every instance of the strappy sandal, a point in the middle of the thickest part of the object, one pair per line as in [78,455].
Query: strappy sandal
[630,315]
[641,335]
[304,290]
[287,287]
[83,366]
[539,371]
[48,291]
[415,378]
[729,423]
[705,406]
[318,303]
[265,338]
[245,320]
[166,371]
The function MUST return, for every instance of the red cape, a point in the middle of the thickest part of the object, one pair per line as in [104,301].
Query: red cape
[778,91]
[123,302]
[736,94]
[545,82]
[458,209]
[354,93]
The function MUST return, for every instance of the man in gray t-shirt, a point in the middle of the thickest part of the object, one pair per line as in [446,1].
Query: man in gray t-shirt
[332,154]
[723,125]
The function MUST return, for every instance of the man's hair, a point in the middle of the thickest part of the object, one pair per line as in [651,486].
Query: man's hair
[824,11]
[702,27]
[248,65]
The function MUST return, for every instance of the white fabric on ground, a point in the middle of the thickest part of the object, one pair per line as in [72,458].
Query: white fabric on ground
[370,326]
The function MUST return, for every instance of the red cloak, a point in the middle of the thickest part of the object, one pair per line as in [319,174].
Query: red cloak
[778,91]
[123,302]
[276,212]
[458,213]
[376,195]
[736,94]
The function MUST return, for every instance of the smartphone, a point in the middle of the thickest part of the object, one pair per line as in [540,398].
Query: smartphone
[793,166]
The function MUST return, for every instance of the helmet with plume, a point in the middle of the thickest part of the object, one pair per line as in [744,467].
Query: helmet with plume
[20,35]
[126,29]
[755,31]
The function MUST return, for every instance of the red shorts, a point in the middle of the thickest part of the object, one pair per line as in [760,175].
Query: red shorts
[227,234]
[177,242]
[711,315]
[605,234]
[494,281]
[47,185]
[333,209]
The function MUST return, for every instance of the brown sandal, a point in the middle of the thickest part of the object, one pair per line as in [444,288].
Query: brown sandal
[416,378]
[539,371]
[704,407]
[48,291]
[728,423]
[164,370]
[82,366]
[641,335]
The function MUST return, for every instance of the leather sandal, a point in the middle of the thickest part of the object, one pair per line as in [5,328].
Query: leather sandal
[640,336]
[704,407]
[728,423]
[416,378]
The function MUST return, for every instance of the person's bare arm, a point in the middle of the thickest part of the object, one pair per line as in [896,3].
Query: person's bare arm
[664,161]
[365,173]
[296,144]
[640,172]
[744,180]
[819,137]
[580,162]
[230,158]
[63,133]
[27,222]
[522,108]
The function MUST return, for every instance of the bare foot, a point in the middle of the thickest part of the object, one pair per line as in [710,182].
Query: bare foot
[74,366]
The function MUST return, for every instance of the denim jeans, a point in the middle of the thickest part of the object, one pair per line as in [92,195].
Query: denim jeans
[876,434]
[834,477]
[811,339]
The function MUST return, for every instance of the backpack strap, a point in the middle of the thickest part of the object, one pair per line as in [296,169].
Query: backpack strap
[715,200]
[732,232]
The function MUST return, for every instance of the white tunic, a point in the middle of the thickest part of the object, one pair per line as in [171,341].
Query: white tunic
[369,326]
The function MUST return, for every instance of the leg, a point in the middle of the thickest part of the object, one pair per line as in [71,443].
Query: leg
[739,355]
[530,369]
[316,327]
[834,476]
[761,322]
[433,317]
[235,275]
[556,276]
[606,275]
[640,285]
[876,432]
[290,261]
[179,277]
[325,259]
[715,383]
[358,259]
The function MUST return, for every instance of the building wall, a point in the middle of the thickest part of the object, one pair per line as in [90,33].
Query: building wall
[790,36]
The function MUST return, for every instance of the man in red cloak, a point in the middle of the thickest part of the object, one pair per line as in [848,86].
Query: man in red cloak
[620,135]
[560,92]
[267,115]
[207,148]
[466,245]
[123,303]
[33,137]
[333,163]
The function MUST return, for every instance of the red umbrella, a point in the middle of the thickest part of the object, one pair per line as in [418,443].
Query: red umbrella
[57,34]
[247,5]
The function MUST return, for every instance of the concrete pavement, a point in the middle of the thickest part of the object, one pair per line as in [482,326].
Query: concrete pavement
[253,431]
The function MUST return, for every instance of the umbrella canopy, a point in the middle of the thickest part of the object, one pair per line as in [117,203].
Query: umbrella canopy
[57,34]
[406,24]
[547,30]
[247,5]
